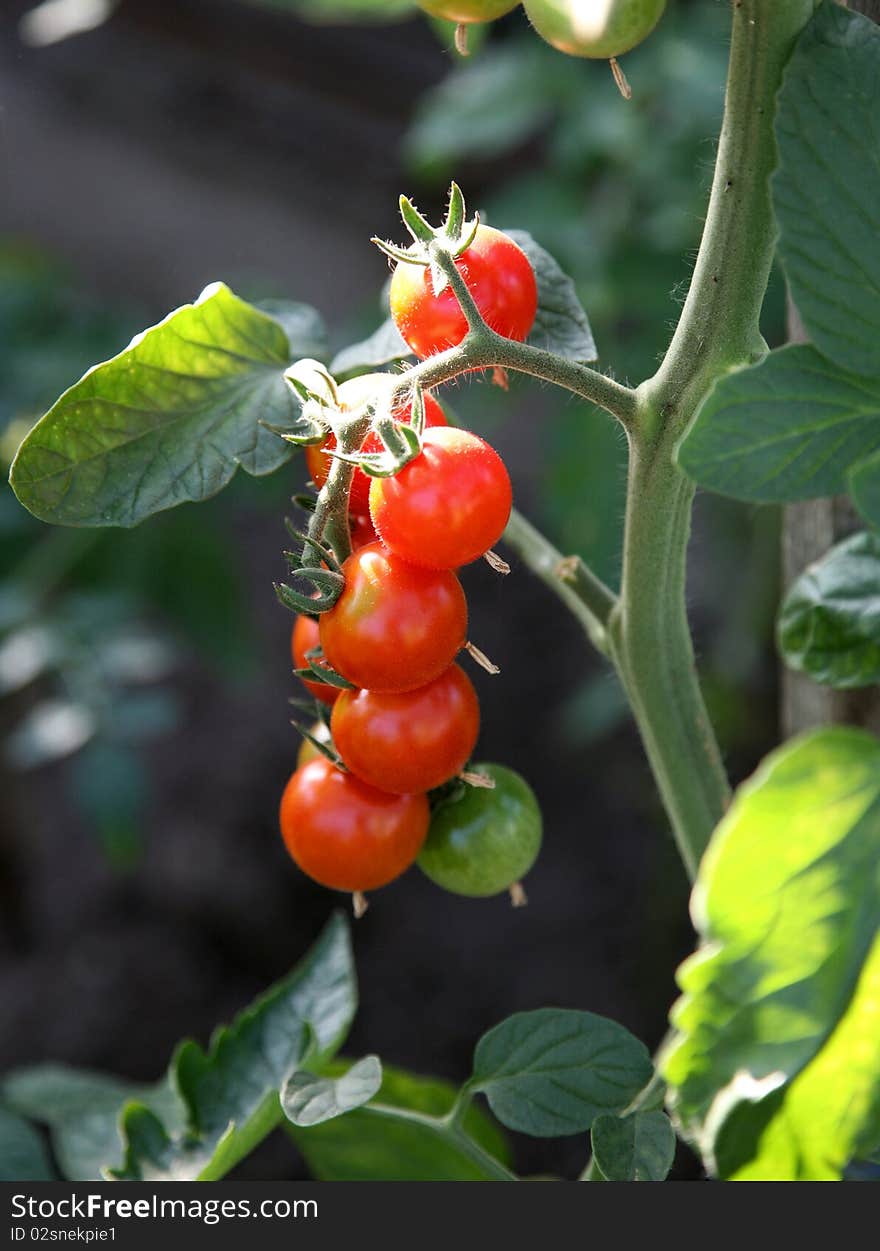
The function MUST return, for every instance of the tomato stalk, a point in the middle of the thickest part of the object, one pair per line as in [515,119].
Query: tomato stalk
[718,331]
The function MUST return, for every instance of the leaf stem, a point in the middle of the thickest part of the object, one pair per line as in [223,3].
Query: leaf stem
[451,1132]
[585,595]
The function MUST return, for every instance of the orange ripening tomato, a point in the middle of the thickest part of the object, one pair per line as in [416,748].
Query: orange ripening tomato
[304,637]
[395,626]
[446,507]
[409,742]
[319,460]
[498,275]
[347,835]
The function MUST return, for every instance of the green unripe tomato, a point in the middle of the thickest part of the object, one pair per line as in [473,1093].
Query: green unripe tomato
[594,28]
[483,842]
[468,11]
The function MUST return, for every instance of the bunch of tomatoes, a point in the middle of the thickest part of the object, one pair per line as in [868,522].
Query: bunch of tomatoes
[390,781]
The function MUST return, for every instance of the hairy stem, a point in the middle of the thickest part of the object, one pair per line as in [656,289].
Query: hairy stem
[718,330]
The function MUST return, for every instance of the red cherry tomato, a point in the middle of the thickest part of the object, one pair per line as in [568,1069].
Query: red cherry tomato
[347,835]
[305,636]
[498,275]
[361,529]
[446,507]
[319,460]
[411,742]
[394,627]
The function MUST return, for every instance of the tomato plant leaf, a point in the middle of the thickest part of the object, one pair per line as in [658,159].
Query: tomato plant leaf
[826,189]
[553,1071]
[561,325]
[23,1154]
[640,1147]
[773,1071]
[212,1107]
[168,420]
[308,1099]
[829,623]
[787,429]
[303,325]
[369,1145]
[385,346]
[82,1111]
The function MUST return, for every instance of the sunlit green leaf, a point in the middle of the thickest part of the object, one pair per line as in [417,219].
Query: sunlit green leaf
[308,1099]
[169,419]
[773,1071]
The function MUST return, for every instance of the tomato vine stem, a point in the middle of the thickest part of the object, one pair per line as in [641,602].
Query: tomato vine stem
[718,331]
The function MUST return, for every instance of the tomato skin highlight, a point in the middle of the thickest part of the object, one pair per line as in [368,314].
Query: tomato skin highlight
[485,841]
[468,10]
[446,507]
[347,835]
[304,636]
[395,626]
[596,30]
[319,460]
[498,275]
[409,742]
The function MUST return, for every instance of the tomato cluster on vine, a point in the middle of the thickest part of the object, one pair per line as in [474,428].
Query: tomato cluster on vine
[401,716]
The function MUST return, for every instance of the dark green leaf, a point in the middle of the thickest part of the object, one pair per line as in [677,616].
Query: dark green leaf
[788,429]
[365,1145]
[168,420]
[553,1071]
[303,325]
[640,1147]
[384,346]
[23,1155]
[307,1099]
[864,488]
[829,623]
[827,187]
[561,325]
[773,1072]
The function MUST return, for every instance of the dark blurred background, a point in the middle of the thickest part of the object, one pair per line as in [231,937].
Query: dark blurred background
[144,739]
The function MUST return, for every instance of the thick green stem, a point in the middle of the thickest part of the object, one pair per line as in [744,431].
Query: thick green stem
[718,330]
[651,644]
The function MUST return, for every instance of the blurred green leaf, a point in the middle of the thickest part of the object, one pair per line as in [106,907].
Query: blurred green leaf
[773,1069]
[23,1155]
[82,1111]
[829,622]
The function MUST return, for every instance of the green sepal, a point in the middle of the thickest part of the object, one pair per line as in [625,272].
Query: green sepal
[327,583]
[420,229]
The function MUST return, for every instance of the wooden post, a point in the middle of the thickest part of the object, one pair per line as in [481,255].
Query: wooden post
[809,529]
